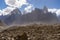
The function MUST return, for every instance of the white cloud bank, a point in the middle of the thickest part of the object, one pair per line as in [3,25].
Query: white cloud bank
[12,4]
[57,11]
[0,12]
[16,3]
[6,11]
[29,8]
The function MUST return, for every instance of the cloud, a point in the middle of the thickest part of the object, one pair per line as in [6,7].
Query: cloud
[29,8]
[6,11]
[52,10]
[57,11]
[16,3]
[0,12]
[11,5]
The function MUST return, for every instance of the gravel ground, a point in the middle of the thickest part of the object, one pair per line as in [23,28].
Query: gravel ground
[34,32]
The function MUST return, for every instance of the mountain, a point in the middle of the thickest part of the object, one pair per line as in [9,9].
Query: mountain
[59,18]
[1,23]
[12,17]
[37,15]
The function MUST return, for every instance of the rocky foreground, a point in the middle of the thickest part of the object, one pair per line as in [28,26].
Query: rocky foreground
[32,32]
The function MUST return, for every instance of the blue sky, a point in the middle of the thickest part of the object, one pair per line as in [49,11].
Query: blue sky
[2,4]
[52,5]
[37,3]
[48,3]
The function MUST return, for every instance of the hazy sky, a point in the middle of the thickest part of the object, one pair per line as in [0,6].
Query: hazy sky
[52,4]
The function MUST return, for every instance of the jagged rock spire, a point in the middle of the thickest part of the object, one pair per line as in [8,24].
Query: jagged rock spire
[45,9]
[16,11]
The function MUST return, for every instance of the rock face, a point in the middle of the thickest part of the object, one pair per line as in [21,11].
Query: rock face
[2,26]
[59,18]
[1,23]
[13,17]
[37,15]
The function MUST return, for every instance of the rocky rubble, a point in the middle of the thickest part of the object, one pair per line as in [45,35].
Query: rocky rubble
[32,32]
